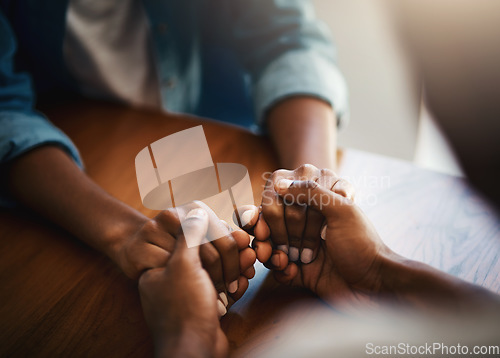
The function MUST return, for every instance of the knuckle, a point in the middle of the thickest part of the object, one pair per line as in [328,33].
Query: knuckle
[169,217]
[280,173]
[212,261]
[166,214]
[327,173]
[230,244]
[150,227]
[306,169]
[272,212]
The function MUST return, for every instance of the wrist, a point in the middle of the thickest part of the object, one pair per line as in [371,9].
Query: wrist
[417,284]
[388,274]
[303,129]
[115,235]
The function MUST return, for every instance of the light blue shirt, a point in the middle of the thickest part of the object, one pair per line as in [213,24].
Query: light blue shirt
[226,59]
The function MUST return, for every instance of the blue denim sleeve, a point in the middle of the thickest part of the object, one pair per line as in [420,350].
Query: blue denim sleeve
[21,127]
[286,50]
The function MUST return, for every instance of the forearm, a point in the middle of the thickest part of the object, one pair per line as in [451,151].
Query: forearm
[47,181]
[417,284]
[304,130]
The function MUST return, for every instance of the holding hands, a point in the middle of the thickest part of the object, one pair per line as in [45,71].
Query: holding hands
[311,234]
[180,302]
[228,260]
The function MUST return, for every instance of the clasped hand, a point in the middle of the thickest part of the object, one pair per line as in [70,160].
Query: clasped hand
[307,230]
[311,234]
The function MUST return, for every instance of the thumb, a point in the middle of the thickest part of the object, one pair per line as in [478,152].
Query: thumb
[312,194]
[252,221]
[246,216]
[194,230]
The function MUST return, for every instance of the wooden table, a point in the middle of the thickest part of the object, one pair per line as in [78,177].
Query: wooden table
[61,298]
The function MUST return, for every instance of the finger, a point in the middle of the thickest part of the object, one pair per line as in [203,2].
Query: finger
[212,264]
[327,178]
[274,215]
[169,221]
[161,231]
[222,304]
[228,253]
[263,250]
[314,195]
[254,223]
[247,259]
[249,273]
[295,220]
[306,172]
[194,231]
[246,216]
[273,210]
[344,188]
[287,275]
[241,238]
[262,231]
[222,240]
[242,287]
[145,260]
[312,236]
[279,261]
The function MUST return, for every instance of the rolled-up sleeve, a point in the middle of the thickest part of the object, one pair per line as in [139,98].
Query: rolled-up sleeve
[302,72]
[21,127]
[286,50]
[23,131]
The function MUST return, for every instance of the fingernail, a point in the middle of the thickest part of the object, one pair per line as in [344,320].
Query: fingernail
[306,256]
[233,286]
[221,308]
[227,225]
[323,232]
[223,298]
[247,216]
[294,254]
[283,248]
[283,184]
[196,213]
[275,260]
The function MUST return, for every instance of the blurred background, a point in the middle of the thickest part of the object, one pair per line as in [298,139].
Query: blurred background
[385,96]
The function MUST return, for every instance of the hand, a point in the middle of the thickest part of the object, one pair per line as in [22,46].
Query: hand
[228,260]
[179,301]
[291,229]
[349,260]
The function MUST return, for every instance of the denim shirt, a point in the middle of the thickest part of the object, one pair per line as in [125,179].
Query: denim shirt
[226,59]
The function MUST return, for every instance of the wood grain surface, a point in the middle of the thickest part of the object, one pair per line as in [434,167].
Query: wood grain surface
[60,298]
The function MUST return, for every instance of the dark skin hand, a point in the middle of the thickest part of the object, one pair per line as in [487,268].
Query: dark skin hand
[66,196]
[354,266]
[47,181]
[295,229]
[179,301]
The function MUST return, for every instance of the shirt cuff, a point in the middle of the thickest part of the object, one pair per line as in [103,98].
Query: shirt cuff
[302,73]
[23,131]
